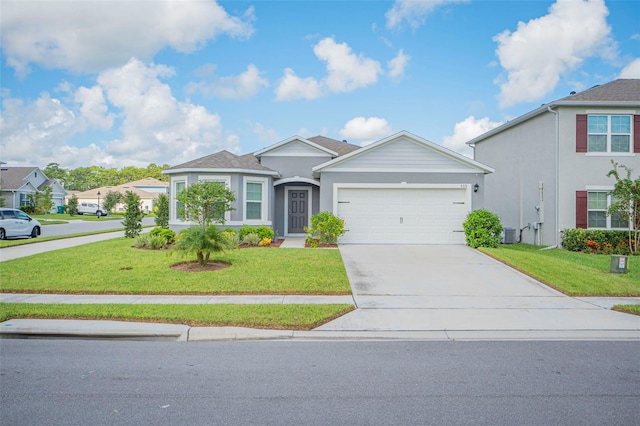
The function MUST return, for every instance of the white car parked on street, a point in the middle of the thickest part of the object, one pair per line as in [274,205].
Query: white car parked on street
[92,208]
[16,223]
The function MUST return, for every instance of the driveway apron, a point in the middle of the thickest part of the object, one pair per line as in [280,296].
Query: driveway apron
[431,287]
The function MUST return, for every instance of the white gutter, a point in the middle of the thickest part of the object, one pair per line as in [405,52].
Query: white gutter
[557,212]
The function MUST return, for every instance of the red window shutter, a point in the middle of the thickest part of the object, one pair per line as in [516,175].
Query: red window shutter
[581,132]
[581,209]
[636,133]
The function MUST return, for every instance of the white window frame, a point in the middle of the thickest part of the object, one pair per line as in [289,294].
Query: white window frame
[606,190]
[264,207]
[226,179]
[609,134]
[174,202]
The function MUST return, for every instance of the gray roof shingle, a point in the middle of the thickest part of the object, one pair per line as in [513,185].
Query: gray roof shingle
[14,177]
[621,90]
[340,148]
[224,160]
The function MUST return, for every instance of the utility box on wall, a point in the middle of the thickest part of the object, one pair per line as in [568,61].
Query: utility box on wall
[619,264]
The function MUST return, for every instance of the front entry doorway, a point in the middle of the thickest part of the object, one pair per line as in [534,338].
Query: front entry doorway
[298,207]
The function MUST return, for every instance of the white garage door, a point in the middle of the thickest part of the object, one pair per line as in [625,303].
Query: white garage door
[404,215]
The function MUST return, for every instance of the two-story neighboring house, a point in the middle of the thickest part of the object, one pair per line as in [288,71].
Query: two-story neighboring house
[551,164]
[401,189]
[16,183]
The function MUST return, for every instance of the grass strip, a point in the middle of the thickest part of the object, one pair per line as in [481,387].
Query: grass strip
[23,241]
[274,317]
[574,274]
[628,309]
[115,267]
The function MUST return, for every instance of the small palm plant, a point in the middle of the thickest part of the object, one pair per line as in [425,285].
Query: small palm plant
[201,240]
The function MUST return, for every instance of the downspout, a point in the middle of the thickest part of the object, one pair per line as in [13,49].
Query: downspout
[557,177]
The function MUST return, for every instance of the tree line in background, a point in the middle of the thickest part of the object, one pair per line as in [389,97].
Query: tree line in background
[85,178]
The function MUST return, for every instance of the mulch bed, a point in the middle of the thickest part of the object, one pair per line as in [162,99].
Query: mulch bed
[196,267]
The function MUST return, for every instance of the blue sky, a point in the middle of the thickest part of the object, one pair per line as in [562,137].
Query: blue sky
[136,82]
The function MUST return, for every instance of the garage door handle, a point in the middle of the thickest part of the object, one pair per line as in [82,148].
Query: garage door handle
[457,230]
[401,220]
[344,202]
[458,202]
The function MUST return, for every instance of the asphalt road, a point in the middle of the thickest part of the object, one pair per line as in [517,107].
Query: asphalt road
[319,383]
[78,226]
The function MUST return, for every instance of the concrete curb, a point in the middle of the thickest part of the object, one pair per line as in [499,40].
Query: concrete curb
[78,329]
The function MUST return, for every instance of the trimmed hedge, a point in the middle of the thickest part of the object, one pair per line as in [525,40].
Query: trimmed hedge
[595,240]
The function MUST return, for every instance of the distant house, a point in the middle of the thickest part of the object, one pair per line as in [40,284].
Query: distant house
[147,189]
[551,163]
[401,189]
[17,183]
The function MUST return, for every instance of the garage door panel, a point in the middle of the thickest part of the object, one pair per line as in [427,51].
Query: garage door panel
[403,215]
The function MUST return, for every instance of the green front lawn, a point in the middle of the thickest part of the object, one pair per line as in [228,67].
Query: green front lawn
[114,267]
[281,317]
[575,274]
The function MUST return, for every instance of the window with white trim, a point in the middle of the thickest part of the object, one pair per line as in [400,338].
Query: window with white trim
[597,204]
[255,199]
[609,133]
[178,187]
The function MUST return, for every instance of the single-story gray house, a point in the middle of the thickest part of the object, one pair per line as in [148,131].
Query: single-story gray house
[401,189]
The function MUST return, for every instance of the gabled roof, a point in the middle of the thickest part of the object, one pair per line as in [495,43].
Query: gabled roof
[223,160]
[339,147]
[621,93]
[298,139]
[323,144]
[13,178]
[621,90]
[454,156]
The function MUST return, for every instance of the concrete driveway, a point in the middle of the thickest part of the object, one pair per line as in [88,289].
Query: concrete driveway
[456,288]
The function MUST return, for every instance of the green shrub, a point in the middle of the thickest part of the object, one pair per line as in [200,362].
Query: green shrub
[326,228]
[201,240]
[482,228]
[595,240]
[262,231]
[141,241]
[252,239]
[157,242]
[231,236]
[168,235]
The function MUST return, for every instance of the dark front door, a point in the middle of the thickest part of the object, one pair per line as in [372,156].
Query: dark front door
[298,205]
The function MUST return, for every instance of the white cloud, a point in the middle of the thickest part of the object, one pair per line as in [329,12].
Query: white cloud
[466,130]
[397,65]
[293,87]
[265,134]
[89,36]
[632,70]
[34,133]
[414,12]
[93,107]
[366,130]
[156,127]
[346,72]
[539,51]
[244,85]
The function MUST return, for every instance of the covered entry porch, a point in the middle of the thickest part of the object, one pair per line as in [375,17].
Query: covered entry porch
[296,200]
